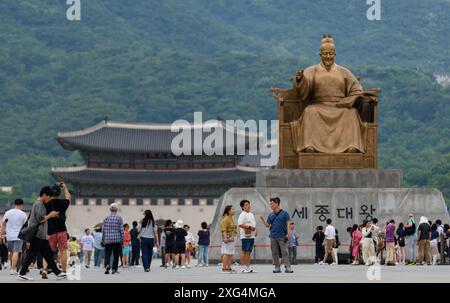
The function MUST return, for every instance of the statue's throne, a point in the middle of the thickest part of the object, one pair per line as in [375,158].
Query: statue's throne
[290,108]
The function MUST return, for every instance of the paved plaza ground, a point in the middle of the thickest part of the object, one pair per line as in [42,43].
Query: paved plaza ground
[304,273]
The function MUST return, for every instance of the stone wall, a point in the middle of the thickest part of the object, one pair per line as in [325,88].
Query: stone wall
[310,207]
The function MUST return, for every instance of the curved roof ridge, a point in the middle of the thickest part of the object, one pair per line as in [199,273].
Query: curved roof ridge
[84,131]
[153,126]
[248,168]
[125,170]
[69,168]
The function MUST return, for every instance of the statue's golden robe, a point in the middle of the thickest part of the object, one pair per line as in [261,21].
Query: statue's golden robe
[322,125]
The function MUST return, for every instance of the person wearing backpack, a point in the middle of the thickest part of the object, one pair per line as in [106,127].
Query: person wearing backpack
[401,243]
[411,240]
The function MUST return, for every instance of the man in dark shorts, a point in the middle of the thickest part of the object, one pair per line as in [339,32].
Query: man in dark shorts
[180,244]
[170,243]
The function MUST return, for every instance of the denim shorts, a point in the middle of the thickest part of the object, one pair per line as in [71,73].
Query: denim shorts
[247,245]
[15,246]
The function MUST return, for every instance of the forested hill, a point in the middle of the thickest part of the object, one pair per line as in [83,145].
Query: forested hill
[157,61]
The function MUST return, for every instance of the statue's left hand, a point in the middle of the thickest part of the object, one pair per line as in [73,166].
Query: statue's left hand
[277,93]
[299,75]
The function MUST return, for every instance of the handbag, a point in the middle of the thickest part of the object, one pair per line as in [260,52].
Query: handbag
[28,233]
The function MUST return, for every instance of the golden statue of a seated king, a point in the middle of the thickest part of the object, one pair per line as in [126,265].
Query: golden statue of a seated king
[330,120]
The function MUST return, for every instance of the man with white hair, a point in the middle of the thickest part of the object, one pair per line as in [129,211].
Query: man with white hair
[424,236]
[112,238]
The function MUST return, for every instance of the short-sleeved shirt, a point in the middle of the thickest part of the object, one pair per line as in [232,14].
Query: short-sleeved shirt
[278,224]
[203,237]
[148,231]
[330,232]
[180,234]
[38,214]
[424,229]
[228,226]
[74,247]
[293,241]
[246,218]
[134,233]
[189,237]
[97,239]
[88,242]
[58,224]
[113,229]
[15,219]
[170,236]
[390,229]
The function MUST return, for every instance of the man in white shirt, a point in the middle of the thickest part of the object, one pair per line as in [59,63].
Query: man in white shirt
[329,242]
[87,246]
[13,221]
[247,226]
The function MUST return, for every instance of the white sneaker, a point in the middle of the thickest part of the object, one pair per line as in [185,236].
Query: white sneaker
[178,267]
[334,263]
[183,267]
[246,271]
[61,276]
[24,278]
[13,272]
[321,263]
[188,266]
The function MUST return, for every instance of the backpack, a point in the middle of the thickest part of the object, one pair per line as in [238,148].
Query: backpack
[410,230]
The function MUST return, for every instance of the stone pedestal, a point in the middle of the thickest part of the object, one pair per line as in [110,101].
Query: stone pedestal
[312,196]
[330,178]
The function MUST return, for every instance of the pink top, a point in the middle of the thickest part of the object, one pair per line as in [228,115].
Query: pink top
[356,237]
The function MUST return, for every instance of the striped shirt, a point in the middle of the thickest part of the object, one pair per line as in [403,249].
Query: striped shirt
[113,229]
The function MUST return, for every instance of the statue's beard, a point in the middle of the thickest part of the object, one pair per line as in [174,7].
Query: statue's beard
[328,63]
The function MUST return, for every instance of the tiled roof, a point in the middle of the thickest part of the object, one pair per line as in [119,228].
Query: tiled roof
[154,177]
[139,138]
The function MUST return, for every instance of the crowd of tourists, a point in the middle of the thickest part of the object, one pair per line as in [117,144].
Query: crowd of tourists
[41,240]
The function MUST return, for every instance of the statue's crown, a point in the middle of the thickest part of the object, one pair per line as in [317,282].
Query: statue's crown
[327,39]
